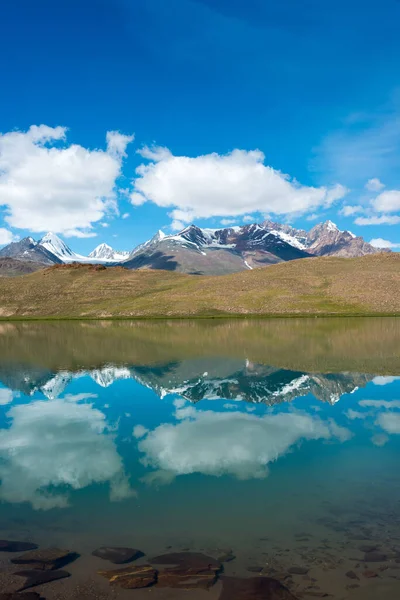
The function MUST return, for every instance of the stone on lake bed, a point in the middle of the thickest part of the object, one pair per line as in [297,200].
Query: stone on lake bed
[254,588]
[352,575]
[368,548]
[11,546]
[131,578]
[375,557]
[34,577]
[192,570]
[195,560]
[116,555]
[298,570]
[227,556]
[45,558]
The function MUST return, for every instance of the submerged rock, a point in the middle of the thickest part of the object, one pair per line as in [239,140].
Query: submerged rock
[298,570]
[131,578]
[227,556]
[8,546]
[188,559]
[35,577]
[46,558]
[187,578]
[116,555]
[375,557]
[192,570]
[352,575]
[254,588]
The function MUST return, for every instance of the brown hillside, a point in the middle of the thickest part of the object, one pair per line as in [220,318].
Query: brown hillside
[329,285]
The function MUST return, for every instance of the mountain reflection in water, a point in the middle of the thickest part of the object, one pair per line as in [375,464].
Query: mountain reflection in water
[203,435]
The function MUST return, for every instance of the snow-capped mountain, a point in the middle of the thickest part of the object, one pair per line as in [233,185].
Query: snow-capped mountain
[105,252]
[218,251]
[205,251]
[28,249]
[54,244]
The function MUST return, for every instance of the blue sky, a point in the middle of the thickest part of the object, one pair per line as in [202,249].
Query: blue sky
[244,108]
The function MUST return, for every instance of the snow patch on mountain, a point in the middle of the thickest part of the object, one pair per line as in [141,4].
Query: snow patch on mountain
[54,244]
[105,252]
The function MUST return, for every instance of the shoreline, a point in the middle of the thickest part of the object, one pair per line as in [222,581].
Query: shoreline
[252,317]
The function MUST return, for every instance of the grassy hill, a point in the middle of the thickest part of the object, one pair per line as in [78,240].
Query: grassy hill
[315,286]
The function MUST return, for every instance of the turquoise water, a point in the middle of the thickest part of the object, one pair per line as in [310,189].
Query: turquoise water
[283,467]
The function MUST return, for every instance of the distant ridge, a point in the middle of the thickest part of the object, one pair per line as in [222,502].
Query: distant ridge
[200,251]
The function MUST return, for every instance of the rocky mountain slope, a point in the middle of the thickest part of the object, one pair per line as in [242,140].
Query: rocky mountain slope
[51,249]
[218,251]
[206,251]
[28,249]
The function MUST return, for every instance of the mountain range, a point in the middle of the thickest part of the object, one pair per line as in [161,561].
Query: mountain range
[229,379]
[204,251]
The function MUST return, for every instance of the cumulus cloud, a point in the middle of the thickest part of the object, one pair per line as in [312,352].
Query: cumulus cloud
[384,380]
[378,220]
[349,211]
[390,422]
[374,185]
[6,236]
[387,202]
[53,447]
[47,184]
[227,185]
[380,403]
[139,431]
[228,443]
[6,396]
[227,222]
[381,243]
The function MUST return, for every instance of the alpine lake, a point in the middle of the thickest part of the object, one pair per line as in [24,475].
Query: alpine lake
[208,459]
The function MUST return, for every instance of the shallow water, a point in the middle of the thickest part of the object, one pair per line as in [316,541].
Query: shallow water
[278,440]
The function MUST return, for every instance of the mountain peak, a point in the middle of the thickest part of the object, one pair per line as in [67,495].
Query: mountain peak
[54,244]
[107,253]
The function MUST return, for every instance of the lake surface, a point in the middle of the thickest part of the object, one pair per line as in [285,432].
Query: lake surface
[275,441]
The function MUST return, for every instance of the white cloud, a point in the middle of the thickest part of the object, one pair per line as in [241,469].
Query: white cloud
[390,422]
[381,243]
[6,396]
[387,202]
[177,225]
[6,236]
[379,439]
[117,143]
[354,414]
[227,185]
[233,443]
[46,184]
[349,211]
[139,431]
[248,219]
[381,380]
[125,215]
[313,217]
[380,403]
[53,447]
[228,222]
[378,220]
[374,185]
